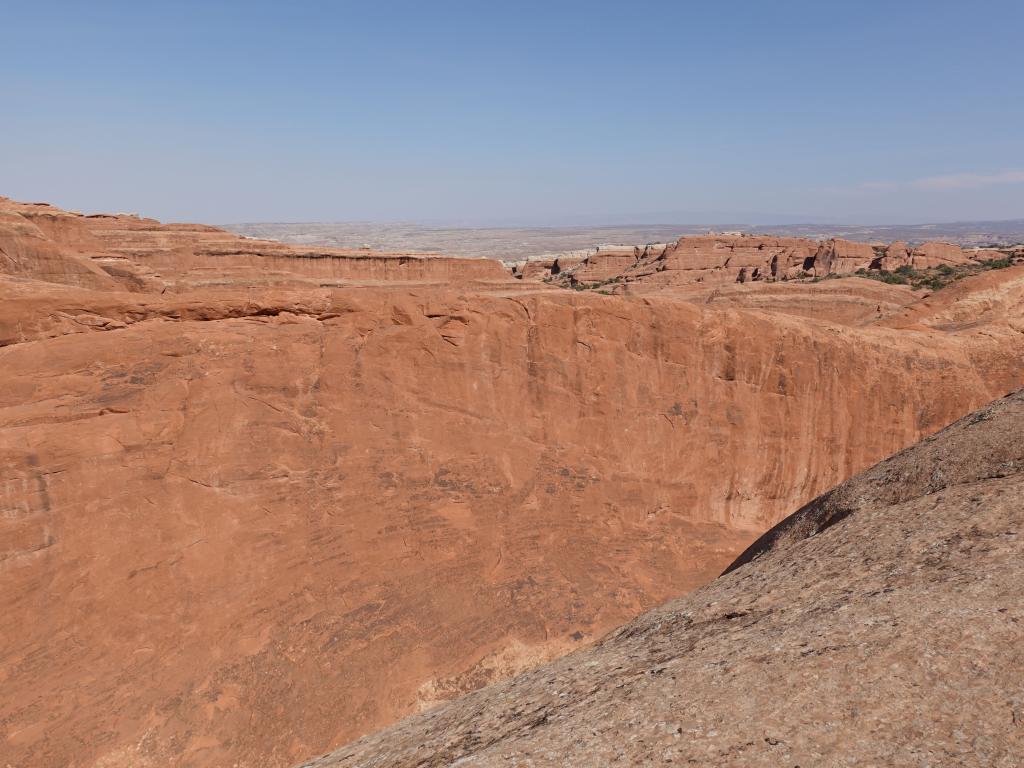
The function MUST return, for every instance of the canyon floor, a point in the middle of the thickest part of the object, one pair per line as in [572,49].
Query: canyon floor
[258,500]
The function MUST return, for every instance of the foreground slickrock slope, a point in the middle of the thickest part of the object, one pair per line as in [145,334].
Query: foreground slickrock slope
[882,624]
[258,500]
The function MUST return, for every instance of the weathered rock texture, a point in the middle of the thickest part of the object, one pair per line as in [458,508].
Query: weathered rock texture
[533,269]
[879,625]
[251,513]
[720,259]
[101,251]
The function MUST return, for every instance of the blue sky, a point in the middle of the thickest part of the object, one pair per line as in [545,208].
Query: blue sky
[526,112]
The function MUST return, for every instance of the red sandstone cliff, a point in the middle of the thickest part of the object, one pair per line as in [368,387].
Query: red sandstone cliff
[878,625]
[108,251]
[247,517]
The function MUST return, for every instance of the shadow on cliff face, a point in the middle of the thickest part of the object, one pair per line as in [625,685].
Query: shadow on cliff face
[985,444]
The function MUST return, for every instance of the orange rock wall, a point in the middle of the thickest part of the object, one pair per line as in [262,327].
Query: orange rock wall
[721,259]
[247,539]
[245,518]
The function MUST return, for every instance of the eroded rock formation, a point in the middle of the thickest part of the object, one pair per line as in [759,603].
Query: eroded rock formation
[125,251]
[253,506]
[721,259]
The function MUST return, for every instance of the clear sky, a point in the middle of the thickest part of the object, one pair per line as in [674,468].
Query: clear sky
[517,112]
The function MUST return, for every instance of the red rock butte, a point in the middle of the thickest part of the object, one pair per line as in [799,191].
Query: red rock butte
[259,500]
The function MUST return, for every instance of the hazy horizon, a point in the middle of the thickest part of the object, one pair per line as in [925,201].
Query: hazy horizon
[534,114]
[615,221]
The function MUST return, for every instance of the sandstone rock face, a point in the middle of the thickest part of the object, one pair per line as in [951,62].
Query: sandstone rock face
[896,255]
[737,258]
[606,262]
[854,301]
[721,259]
[565,263]
[936,254]
[251,509]
[534,269]
[842,257]
[991,254]
[26,251]
[545,268]
[46,243]
[879,625]
[993,297]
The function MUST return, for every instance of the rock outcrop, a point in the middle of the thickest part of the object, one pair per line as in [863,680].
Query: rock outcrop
[533,269]
[606,262]
[128,252]
[26,251]
[235,485]
[721,259]
[842,257]
[564,263]
[896,255]
[937,254]
[881,624]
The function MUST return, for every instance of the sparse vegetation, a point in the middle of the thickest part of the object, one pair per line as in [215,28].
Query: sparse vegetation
[892,278]
[595,285]
[932,278]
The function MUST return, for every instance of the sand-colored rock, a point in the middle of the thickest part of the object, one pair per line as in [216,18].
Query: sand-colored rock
[565,263]
[879,625]
[971,303]
[542,269]
[534,269]
[606,262]
[854,301]
[843,257]
[896,255]
[26,251]
[937,254]
[720,259]
[989,254]
[249,517]
[729,258]
[109,251]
